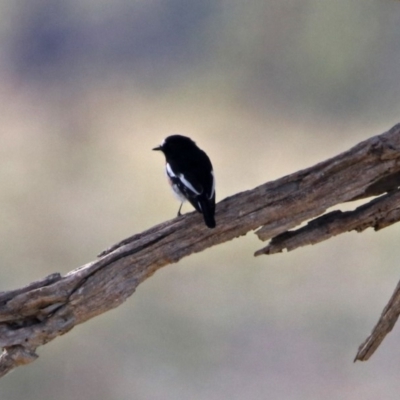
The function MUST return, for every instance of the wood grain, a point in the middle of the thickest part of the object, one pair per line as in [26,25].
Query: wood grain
[38,313]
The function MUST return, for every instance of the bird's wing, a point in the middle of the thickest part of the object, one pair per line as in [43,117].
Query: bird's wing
[188,182]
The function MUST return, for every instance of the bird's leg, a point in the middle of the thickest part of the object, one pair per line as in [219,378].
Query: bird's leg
[179,211]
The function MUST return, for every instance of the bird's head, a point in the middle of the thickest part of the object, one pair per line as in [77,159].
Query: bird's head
[175,144]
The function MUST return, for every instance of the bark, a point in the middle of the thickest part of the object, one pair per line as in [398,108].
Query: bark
[36,314]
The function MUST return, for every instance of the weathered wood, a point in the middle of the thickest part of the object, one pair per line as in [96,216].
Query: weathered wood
[378,214]
[388,319]
[32,316]
[15,356]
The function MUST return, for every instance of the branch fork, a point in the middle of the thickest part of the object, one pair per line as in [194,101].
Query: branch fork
[34,315]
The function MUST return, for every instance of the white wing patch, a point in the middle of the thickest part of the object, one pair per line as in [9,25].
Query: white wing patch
[182,178]
[175,189]
[169,171]
[213,186]
[188,184]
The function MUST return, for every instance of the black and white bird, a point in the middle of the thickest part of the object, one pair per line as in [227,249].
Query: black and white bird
[190,174]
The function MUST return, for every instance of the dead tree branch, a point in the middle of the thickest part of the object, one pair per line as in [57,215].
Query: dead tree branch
[36,314]
[378,214]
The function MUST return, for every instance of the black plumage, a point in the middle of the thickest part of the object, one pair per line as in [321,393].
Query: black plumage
[190,174]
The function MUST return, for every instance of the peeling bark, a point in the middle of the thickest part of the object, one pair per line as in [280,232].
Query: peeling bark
[38,313]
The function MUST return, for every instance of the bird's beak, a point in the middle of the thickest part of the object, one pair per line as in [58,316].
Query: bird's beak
[159,148]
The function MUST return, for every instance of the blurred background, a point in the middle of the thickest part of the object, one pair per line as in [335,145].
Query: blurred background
[266,88]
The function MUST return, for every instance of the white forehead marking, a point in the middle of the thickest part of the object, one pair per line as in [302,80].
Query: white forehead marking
[162,143]
[213,186]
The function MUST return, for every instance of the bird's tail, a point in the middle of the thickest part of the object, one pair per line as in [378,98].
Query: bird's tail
[208,210]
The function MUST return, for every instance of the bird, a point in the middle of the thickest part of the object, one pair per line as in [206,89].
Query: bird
[190,174]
